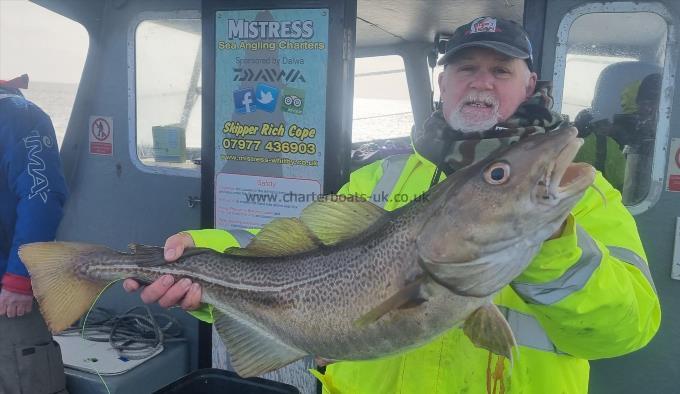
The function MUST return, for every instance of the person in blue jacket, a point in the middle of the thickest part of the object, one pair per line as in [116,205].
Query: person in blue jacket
[32,195]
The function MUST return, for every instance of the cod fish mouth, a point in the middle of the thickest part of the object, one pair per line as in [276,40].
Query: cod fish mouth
[564,178]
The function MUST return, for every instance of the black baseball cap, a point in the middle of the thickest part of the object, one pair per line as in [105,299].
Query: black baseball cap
[502,35]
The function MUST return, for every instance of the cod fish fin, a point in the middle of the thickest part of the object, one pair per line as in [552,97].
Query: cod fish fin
[487,328]
[280,237]
[335,219]
[409,296]
[152,256]
[148,256]
[252,351]
[63,296]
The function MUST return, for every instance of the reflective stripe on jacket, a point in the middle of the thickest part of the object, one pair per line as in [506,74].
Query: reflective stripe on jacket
[588,294]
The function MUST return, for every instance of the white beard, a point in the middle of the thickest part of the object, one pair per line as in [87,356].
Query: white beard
[457,120]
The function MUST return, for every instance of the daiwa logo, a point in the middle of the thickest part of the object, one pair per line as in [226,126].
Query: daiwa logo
[36,165]
[268,75]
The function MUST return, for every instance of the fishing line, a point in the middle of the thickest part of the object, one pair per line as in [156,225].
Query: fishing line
[82,333]
[133,335]
[602,196]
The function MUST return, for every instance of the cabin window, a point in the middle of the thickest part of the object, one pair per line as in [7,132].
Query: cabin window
[434,82]
[51,49]
[382,107]
[613,59]
[168,93]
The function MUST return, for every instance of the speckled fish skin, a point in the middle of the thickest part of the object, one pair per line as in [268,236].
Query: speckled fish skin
[312,301]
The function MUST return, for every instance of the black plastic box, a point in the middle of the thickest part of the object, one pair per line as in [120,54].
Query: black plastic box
[219,381]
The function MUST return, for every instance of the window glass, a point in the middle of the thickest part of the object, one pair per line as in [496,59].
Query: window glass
[168,92]
[434,82]
[382,107]
[48,47]
[612,88]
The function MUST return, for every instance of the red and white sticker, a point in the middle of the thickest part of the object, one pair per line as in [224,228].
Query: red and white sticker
[101,135]
[673,184]
[484,25]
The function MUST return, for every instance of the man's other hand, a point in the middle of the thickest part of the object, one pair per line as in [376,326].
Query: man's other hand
[164,290]
[14,304]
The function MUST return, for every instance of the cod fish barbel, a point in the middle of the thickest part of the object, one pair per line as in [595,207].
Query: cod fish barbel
[347,280]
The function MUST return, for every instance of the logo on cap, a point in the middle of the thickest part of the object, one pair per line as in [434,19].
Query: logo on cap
[484,25]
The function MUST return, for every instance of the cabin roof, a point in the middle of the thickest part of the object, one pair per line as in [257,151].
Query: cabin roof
[380,23]
[394,22]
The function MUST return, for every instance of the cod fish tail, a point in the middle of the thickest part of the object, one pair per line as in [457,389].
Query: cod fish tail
[63,296]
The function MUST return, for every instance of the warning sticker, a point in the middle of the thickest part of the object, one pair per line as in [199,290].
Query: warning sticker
[673,184]
[101,135]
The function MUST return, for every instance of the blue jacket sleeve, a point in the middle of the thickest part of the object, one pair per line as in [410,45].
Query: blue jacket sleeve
[31,161]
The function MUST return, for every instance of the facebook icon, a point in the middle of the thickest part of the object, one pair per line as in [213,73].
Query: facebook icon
[243,100]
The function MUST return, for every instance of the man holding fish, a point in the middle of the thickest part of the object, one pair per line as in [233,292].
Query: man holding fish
[584,293]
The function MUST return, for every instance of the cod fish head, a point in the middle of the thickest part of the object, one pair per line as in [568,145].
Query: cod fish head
[487,221]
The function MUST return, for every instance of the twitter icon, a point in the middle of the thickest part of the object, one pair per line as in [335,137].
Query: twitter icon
[265,97]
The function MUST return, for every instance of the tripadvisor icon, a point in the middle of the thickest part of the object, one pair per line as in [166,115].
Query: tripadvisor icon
[293,101]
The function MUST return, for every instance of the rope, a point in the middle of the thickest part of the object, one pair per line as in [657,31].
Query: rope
[135,334]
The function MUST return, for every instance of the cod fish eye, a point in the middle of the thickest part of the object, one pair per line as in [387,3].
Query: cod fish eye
[497,173]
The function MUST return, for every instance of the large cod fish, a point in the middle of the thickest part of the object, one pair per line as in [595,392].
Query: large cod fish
[348,280]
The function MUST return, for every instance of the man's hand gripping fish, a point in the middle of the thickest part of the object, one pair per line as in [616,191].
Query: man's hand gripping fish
[348,280]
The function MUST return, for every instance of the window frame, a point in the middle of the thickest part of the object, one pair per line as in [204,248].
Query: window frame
[662,141]
[132,92]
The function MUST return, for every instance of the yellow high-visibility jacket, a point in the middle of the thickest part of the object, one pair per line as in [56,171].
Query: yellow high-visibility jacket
[587,295]
[614,160]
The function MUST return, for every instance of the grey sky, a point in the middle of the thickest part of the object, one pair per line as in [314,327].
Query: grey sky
[41,43]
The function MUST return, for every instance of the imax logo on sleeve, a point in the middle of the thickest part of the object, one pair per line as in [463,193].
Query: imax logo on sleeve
[36,165]
[268,75]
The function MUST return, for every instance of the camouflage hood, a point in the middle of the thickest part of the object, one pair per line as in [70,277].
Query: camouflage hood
[452,149]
